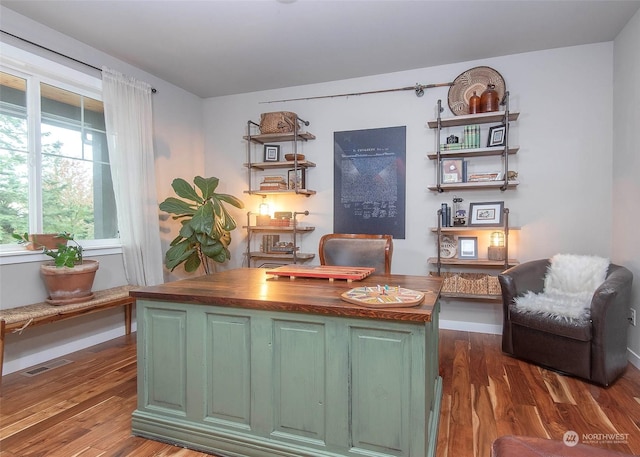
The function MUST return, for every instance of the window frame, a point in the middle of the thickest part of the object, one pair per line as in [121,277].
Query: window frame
[36,69]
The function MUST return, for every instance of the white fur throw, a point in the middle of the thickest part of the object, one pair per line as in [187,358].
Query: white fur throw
[569,285]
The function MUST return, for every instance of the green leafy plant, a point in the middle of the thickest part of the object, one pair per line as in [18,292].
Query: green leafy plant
[22,238]
[65,255]
[206,224]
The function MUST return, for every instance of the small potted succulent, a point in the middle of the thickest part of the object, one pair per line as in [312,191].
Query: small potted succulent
[69,278]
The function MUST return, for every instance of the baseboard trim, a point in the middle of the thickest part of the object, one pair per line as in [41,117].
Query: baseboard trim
[633,358]
[474,327]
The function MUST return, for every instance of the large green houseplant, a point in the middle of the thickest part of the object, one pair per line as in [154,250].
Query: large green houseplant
[206,224]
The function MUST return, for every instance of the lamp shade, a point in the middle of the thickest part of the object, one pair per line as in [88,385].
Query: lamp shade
[497,239]
[497,250]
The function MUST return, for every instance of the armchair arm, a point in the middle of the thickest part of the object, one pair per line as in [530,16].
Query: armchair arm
[609,311]
[514,282]
[528,276]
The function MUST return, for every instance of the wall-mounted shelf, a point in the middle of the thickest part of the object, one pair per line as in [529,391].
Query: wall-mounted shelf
[263,138]
[462,280]
[306,192]
[255,168]
[475,152]
[479,185]
[471,123]
[279,165]
[482,118]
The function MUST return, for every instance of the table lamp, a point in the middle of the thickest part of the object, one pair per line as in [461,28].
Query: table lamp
[263,217]
[497,250]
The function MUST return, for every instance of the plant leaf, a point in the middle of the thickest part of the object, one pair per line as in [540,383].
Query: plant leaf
[178,253]
[173,205]
[213,249]
[192,263]
[185,190]
[207,186]
[202,221]
[231,200]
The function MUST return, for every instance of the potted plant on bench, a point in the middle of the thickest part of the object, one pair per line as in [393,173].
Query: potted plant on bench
[69,278]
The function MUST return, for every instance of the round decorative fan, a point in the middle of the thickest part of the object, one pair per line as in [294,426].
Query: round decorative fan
[470,81]
[448,247]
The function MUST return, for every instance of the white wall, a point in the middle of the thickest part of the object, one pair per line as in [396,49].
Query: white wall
[178,143]
[563,203]
[566,163]
[626,164]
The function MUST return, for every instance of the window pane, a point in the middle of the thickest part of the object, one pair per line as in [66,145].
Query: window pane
[14,184]
[76,179]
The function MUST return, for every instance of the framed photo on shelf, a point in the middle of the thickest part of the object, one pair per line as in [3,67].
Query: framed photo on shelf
[271,153]
[297,176]
[467,247]
[452,171]
[488,214]
[496,136]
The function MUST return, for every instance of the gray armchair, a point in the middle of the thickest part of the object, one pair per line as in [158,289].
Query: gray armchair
[592,348]
[357,250]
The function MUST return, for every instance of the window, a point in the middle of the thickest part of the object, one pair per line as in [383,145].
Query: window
[54,163]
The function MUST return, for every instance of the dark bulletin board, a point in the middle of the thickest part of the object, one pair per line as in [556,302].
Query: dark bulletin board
[370,181]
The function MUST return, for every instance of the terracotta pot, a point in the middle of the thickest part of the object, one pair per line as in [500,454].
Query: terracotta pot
[47,240]
[69,285]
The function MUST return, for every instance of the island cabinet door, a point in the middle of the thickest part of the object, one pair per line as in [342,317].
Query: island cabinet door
[162,359]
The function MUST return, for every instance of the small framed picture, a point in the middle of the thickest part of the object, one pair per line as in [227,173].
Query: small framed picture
[271,153]
[452,171]
[496,136]
[467,247]
[488,214]
[296,179]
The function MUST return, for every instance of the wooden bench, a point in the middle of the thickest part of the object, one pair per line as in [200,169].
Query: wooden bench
[19,318]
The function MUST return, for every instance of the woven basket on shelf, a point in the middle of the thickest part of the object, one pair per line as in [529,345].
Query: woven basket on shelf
[278,122]
[470,284]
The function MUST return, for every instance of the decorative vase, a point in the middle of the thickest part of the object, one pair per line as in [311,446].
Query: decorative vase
[474,103]
[69,285]
[489,100]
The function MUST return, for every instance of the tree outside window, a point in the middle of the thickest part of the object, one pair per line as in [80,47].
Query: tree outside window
[54,167]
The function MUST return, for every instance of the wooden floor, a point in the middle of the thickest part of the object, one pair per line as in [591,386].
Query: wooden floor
[84,408]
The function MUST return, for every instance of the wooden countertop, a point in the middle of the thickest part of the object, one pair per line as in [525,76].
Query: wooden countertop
[253,288]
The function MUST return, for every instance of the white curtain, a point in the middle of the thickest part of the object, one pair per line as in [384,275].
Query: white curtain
[129,122]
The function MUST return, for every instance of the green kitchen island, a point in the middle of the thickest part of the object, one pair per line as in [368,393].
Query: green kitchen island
[240,363]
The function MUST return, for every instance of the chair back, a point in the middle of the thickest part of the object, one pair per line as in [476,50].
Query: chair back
[357,250]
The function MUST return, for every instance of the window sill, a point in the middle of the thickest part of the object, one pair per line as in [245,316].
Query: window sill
[14,255]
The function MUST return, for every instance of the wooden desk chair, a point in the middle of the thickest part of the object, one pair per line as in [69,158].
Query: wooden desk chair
[357,250]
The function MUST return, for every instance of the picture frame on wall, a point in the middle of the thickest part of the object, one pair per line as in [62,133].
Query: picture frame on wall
[467,247]
[496,136]
[271,153]
[486,214]
[296,176]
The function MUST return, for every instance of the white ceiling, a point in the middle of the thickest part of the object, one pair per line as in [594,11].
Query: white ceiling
[221,47]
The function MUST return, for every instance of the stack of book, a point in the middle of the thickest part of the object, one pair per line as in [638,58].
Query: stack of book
[273,183]
[471,137]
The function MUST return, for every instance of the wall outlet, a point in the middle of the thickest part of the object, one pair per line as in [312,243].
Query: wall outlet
[632,316]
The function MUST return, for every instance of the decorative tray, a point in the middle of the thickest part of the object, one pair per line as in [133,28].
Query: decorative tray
[383,297]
